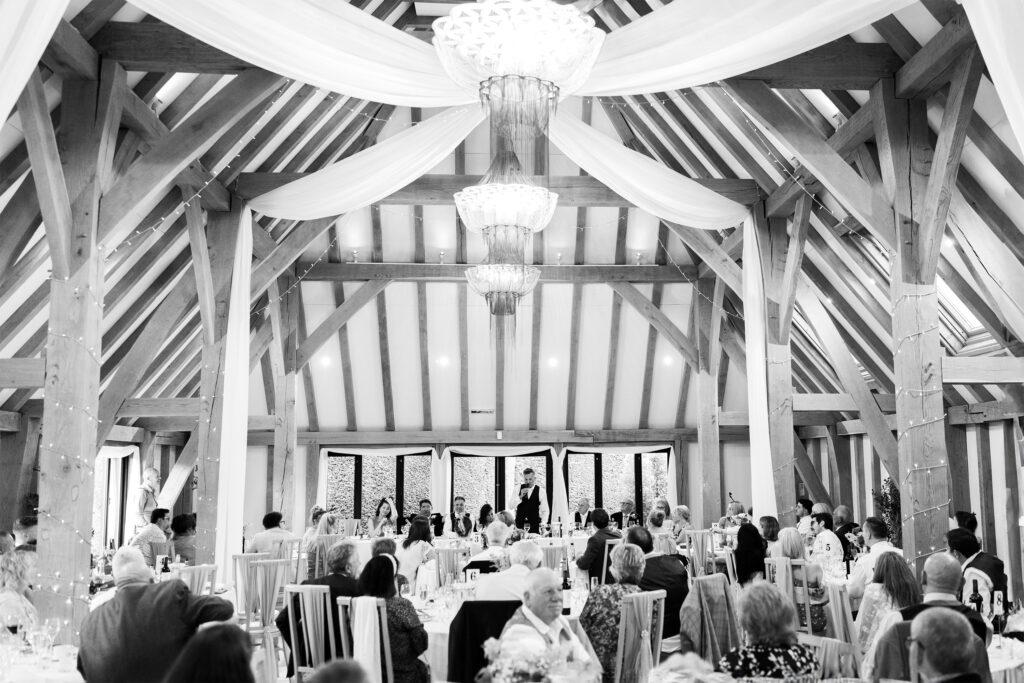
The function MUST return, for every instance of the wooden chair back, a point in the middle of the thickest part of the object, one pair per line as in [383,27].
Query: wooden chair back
[247,598]
[840,613]
[348,527]
[665,543]
[318,553]
[605,567]
[289,549]
[730,566]
[346,612]
[836,659]
[197,578]
[271,577]
[553,555]
[309,613]
[641,618]
[449,562]
[700,551]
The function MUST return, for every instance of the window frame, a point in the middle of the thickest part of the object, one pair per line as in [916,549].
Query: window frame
[357,484]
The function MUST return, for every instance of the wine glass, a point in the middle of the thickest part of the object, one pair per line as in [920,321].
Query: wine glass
[52,627]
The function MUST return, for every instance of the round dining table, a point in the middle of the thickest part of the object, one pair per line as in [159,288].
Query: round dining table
[1006,660]
[22,666]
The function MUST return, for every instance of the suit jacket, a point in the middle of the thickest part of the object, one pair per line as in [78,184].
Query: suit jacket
[136,636]
[992,566]
[668,573]
[436,522]
[617,518]
[341,586]
[841,531]
[977,621]
[584,521]
[892,657]
[593,557]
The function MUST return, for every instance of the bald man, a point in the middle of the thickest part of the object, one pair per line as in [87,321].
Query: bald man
[942,647]
[941,582]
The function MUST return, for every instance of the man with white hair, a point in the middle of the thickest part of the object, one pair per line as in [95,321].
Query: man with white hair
[136,636]
[524,556]
[942,646]
[539,623]
[494,557]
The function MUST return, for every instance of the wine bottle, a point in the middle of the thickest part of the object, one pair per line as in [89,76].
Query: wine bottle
[566,587]
[975,600]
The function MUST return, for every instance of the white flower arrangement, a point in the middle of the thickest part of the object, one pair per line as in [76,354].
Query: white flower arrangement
[512,662]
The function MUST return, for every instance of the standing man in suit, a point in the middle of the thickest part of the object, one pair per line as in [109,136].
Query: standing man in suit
[977,565]
[593,558]
[625,517]
[427,511]
[458,523]
[530,502]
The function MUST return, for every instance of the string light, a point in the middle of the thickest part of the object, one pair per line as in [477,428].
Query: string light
[298,280]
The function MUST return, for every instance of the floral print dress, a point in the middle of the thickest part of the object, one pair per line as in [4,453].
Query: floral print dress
[769,661]
[600,621]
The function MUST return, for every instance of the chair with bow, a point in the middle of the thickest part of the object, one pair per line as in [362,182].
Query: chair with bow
[312,628]
[349,527]
[779,570]
[605,567]
[200,579]
[317,557]
[840,614]
[665,543]
[700,551]
[641,618]
[288,549]
[553,556]
[836,659]
[730,566]
[449,562]
[707,620]
[247,598]
[271,577]
[366,618]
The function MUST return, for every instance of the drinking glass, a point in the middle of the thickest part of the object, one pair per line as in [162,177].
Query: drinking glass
[52,627]
[41,644]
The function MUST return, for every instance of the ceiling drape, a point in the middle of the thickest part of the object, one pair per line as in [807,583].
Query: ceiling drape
[25,30]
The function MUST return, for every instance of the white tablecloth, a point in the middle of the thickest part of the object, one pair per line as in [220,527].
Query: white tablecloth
[30,669]
[1006,660]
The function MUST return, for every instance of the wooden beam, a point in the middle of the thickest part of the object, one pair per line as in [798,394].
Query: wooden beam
[661,322]
[786,294]
[844,403]
[22,373]
[159,407]
[201,264]
[834,66]
[156,46]
[579,436]
[982,370]
[439,190]
[980,413]
[338,318]
[928,68]
[181,472]
[709,295]
[455,272]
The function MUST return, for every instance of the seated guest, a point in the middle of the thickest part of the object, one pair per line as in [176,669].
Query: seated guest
[219,653]
[494,556]
[508,518]
[316,552]
[661,503]
[458,523]
[340,671]
[406,635]
[661,572]
[768,617]
[941,580]
[154,532]
[749,554]
[818,508]
[892,588]
[269,540]
[25,531]
[135,636]
[426,510]
[15,607]
[826,550]
[582,515]
[539,622]
[681,523]
[592,558]
[876,537]
[732,512]
[417,548]
[184,537]
[842,518]
[385,520]
[803,516]
[486,517]
[942,647]
[524,557]
[387,546]
[966,520]
[808,580]
[977,565]
[655,520]
[769,533]
[625,517]
[343,579]
[602,611]
[315,513]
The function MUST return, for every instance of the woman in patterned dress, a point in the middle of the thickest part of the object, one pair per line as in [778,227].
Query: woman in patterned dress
[406,634]
[600,615]
[769,619]
[892,588]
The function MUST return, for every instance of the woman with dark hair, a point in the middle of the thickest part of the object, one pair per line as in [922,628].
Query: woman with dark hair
[217,653]
[749,554]
[184,537]
[416,549]
[892,588]
[769,533]
[485,518]
[385,520]
[405,631]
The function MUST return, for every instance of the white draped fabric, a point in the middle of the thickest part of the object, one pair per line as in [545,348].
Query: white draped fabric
[998,26]
[134,480]
[326,43]
[235,397]
[25,30]
[557,498]
[647,183]
[321,480]
[373,173]
[763,493]
[672,496]
[693,42]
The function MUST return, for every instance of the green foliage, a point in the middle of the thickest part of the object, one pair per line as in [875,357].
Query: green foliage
[887,502]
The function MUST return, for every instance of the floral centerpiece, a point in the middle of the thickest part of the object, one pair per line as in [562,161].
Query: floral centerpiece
[511,662]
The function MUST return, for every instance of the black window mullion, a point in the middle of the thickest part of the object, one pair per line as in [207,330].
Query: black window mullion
[357,499]
[598,486]
[400,484]
[499,484]
[638,485]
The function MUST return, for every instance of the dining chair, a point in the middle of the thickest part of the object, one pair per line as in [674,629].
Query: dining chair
[311,626]
[198,577]
[348,611]
[836,659]
[247,597]
[665,543]
[317,560]
[730,566]
[700,550]
[449,562]
[641,618]
[288,549]
[271,577]
[349,527]
[553,555]
[607,554]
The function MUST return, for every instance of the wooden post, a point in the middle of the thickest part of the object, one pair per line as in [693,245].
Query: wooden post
[708,300]
[284,313]
[91,111]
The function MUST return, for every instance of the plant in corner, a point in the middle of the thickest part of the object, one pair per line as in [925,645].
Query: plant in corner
[887,502]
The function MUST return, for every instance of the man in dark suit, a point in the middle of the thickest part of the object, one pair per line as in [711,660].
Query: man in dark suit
[342,563]
[662,572]
[593,557]
[582,514]
[426,510]
[625,517]
[843,519]
[977,565]
[135,636]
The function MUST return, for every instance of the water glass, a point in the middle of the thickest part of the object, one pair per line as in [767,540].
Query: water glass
[42,644]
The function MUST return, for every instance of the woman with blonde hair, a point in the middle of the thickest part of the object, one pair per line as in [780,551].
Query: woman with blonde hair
[767,616]
[15,608]
[603,609]
[327,526]
[681,523]
[809,575]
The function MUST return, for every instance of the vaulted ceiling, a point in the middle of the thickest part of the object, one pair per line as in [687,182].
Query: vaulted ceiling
[415,352]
